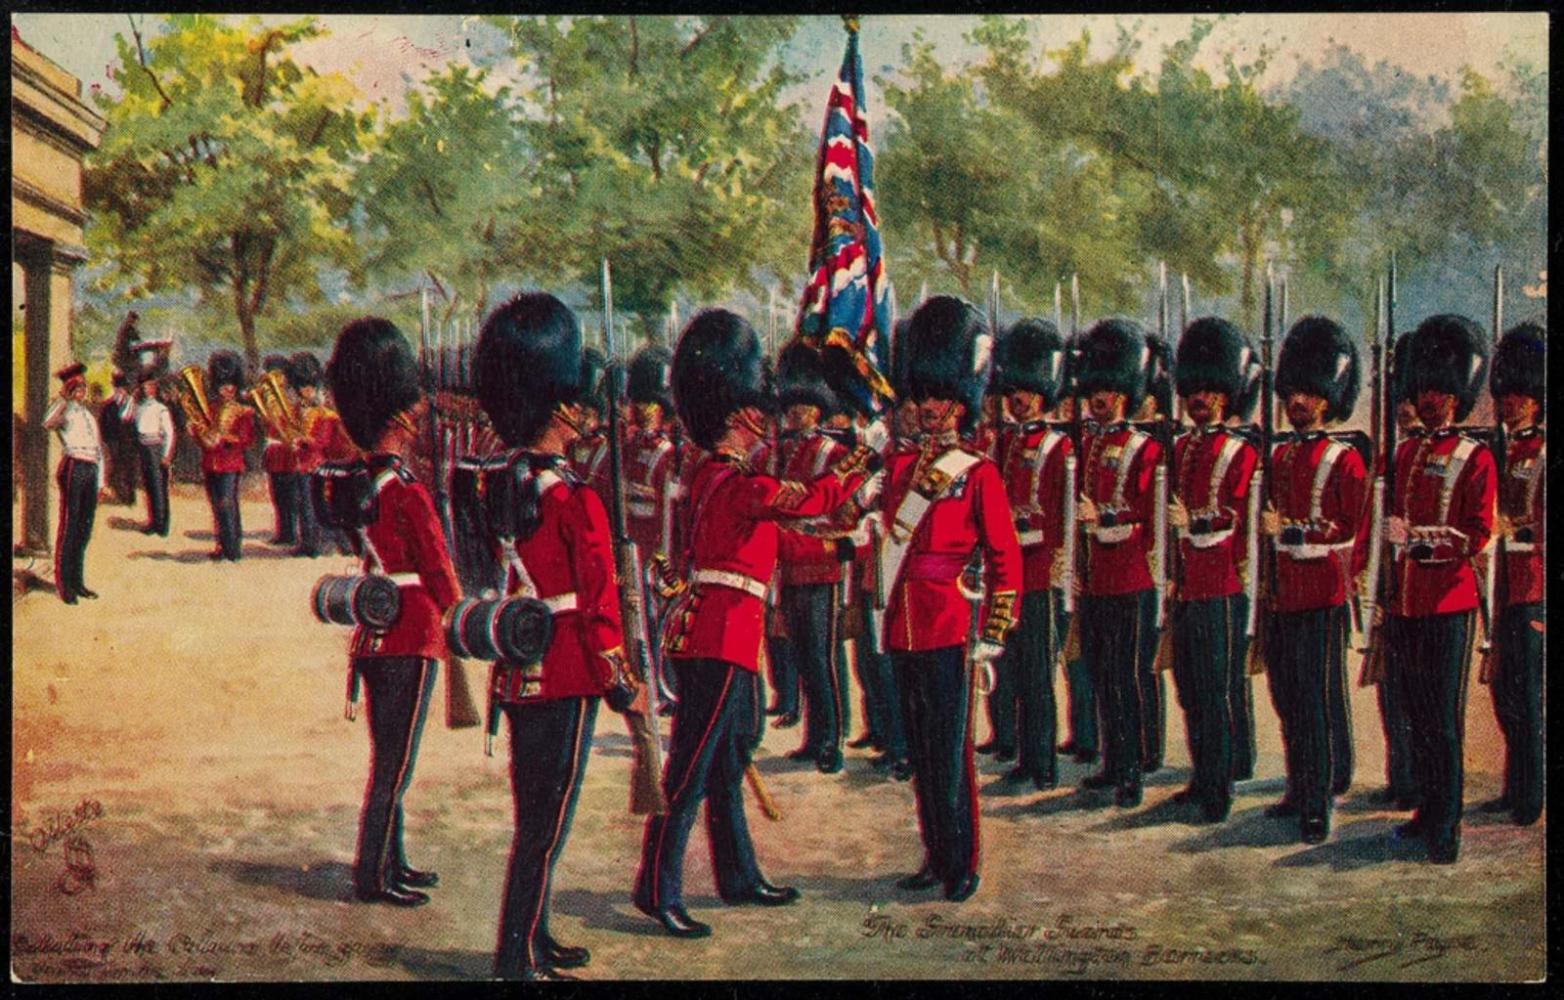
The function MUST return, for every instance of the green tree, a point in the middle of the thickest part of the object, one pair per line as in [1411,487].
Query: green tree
[226,167]
[663,143]
[449,191]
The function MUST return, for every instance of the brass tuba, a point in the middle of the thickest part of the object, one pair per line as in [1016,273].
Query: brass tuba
[192,398]
[271,399]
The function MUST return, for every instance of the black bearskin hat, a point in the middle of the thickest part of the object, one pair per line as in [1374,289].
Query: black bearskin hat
[1520,363]
[718,369]
[594,380]
[304,369]
[373,377]
[1448,353]
[1213,356]
[274,362]
[948,355]
[225,368]
[1398,369]
[1318,358]
[1159,373]
[528,362]
[849,387]
[1030,356]
[1113,356]
[801,378]
[898,357]
[648,380]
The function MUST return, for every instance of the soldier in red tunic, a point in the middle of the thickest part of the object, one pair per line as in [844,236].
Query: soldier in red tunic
[1154,417]
[282,473]
[1442,516]
[722,387]
[944,504]
[1034,460]
[374,379]
[222,451]
[304,374]
[1314,512]
[589,452]
[1116,511]
[1518,385]
[553,534]
[809,657]
[1212,473]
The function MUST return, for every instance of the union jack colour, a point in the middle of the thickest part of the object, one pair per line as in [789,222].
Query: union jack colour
[845,306]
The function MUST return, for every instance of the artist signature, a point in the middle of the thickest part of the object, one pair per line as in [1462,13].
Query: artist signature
[1420,947]
[63,824]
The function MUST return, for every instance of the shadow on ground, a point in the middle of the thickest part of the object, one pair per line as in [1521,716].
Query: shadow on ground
[328,880]
[450,963]
[1357,845]
[1247,829]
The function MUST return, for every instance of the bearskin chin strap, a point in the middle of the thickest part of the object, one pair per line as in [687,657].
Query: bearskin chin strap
[744,417]
[570,420]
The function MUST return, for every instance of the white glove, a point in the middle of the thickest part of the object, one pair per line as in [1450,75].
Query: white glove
[986,651]
[877,435]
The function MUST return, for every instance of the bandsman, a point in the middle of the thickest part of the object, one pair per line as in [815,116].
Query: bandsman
[154,429]
[1033,457]
[1313,514]
[1116,513]
[1521,616]
[304,377]
[282,473]
[945,508]
[80,477]
[1443,513]
[1212,472]
[722,388]
[222,452]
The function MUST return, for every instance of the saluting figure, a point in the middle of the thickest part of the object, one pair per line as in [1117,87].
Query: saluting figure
[222,452]
[374,380]
[1034,459]
[80,475]
[722,388]
[1443,511]
[1212,472]
[944,504]
[1520,619]
[553,535]
[1116,513]
[1314,513]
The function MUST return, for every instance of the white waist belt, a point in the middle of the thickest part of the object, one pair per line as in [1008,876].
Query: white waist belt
[404,579]
[560,603]
[641,509]
[1520,547]
[1308,551]
[1207,539]
[736,581]
[1114,535]
[81,456]
[152,442]
[1030,538]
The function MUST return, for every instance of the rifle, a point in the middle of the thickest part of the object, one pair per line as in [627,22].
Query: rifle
[1487,609]
[1382,557]
[1166,551]
[1075,551]
[646,792]
[1263,580]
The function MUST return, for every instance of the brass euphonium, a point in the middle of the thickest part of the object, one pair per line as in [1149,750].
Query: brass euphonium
[271,399]
[192,398]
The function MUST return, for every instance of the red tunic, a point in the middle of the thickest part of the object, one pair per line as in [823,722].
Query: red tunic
[1034,482]
[407,536]
[806,558]
[1118,555]
[1321,520]
[648,468]
[572,552]
[1521,501]
[734,516]
[1209,559]
[1442,581]
[329,438]
[278,457]
[228,455]
[924,608]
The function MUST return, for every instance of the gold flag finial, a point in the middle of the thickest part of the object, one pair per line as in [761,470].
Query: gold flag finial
[850,22]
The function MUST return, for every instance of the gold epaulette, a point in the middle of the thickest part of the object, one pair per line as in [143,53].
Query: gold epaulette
[1001,615]
[789,493]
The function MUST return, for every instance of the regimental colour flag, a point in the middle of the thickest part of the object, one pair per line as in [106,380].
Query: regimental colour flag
[845,309]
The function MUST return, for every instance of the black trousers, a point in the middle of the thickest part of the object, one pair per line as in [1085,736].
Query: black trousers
[880,694]
[707,753]
[549,745]
[78,483]
[397,689]
[1153,694]
[1517,701]
[784,674]
[1307,650]
[809,612]
[154,480]
[936,698]
[1081,698]
[1398,739]
[1204,634]
[1240,694]
[1030,651]
[285,498]
[222,491]
[1113,644]
[1430,668]
[1001,701]
[121,473]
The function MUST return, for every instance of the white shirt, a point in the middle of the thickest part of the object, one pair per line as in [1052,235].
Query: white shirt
[154,426]
[78,430]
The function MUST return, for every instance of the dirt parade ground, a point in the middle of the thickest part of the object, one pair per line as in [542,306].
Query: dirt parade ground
[186,795]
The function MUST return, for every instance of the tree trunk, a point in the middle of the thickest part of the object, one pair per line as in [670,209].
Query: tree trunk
[252,351]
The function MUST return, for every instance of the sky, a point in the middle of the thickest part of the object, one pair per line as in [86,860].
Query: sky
[382,54]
